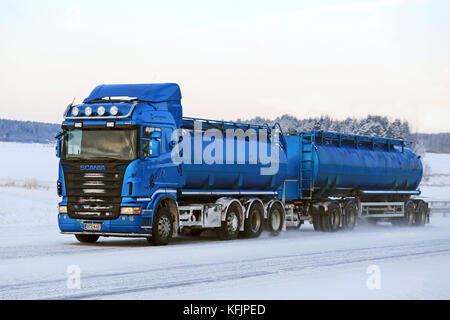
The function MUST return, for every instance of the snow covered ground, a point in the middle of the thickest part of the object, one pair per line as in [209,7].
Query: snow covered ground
[397,263]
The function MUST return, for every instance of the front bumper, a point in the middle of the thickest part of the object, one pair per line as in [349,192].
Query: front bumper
[123,226]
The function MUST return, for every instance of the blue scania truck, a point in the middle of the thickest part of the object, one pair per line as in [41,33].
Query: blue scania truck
[131,166]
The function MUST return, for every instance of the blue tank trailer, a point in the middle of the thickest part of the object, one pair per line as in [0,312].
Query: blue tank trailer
[117,176]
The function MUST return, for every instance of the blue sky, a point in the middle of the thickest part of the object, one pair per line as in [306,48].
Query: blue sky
[233,59]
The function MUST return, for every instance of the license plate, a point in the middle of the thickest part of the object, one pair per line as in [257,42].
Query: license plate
[89,226]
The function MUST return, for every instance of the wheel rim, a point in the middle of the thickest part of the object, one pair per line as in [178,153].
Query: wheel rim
[275,220]
[233,222]
[164,227]
[256,221]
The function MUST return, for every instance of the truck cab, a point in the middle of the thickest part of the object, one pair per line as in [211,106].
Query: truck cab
[115,162]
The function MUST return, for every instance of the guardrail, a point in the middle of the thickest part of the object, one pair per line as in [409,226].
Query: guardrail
[440,206]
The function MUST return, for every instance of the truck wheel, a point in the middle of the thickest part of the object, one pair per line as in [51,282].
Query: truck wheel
[274,222]
[317,222]
[420,214]
[162,229]
[350,214]
[87,238]
[253,224]
[334,215]
[230,227]
[324,220]
[410,212]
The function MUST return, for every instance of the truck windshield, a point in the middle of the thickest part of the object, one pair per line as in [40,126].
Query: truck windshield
[100,144]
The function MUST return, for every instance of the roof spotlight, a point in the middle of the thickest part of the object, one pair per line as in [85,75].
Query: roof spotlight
[101,110]
[88,111]
[75,111]
[114,110]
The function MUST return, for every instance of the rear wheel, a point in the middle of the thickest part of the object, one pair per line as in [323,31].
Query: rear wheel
[253,224]
[334,215]
[162,229]
[410,212]
[317,221]
[324,220]
[350,215]
[87,238]
[420,214]
[274,221]
[230,227]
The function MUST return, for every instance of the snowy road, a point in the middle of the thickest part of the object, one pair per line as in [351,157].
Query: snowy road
[414,263]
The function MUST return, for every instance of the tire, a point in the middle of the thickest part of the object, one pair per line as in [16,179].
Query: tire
[317,222]
[230,227]
[350,215]
[87,238]
[334,214]
[324,220]
[162,229]
[274,222]
[253,225]
[410,213]
[420,214]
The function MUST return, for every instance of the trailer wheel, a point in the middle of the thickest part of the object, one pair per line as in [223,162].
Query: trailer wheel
[162,229]
[334,216]
[350,215]
[410,212]
[274,222]
[420,214]
[230,227]
[87,238]
[254,223]
[317,221]
[324,220]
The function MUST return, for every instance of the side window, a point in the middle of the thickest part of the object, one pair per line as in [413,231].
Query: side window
[146,136]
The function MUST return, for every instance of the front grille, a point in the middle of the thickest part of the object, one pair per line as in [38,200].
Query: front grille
[94,194]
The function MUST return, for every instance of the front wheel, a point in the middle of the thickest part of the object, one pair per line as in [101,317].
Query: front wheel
[162,229]
[230,227]
[87,238]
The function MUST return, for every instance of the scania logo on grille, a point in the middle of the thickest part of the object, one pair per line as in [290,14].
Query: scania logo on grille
[93,167]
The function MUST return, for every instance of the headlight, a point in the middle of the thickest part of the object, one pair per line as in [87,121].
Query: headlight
[101,110]
[114,110]
[62,209]
[130,210]
[75,111]
[88,111]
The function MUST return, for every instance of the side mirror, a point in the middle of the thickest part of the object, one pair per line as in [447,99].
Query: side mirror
[58,148]
[151,148]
